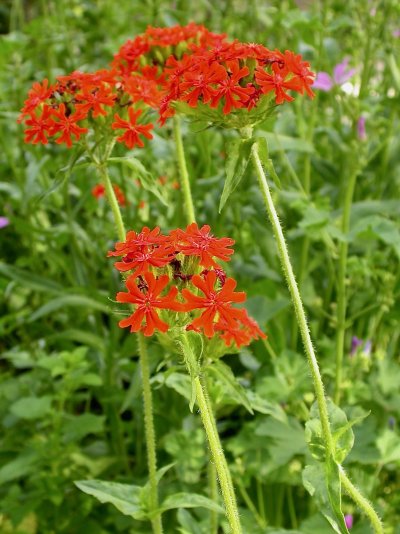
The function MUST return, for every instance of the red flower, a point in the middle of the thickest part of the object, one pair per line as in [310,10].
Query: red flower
[198,82]
[233,333]
[137,242]
[39,127]
[276,82]
[146,301]
[216,303]
[200,242]
[141,261]
[98,191]
[229,88]
[301,71]
[67,126]
[133,130]
[38,93]
[93,100]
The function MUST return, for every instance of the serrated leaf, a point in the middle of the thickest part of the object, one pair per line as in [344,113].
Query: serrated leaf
[126,498]
[238,155]
[224,373]
[190,500]
[147,181]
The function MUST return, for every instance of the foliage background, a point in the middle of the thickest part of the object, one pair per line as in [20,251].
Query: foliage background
[70,397]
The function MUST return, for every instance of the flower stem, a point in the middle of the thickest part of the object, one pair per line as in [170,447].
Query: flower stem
[112,199]
[219,459]
[296,299]
[341,288]
[361,501]
[150,432]
[183,172]
[305,335]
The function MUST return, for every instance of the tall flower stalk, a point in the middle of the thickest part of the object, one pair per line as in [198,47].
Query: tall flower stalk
[329,444]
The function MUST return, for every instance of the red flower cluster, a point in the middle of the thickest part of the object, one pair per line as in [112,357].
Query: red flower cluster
[178,260]
[234,76]
[63,110]
[160,69]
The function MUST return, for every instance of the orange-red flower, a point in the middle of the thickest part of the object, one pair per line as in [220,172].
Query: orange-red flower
[217,303]
[139,241]
[147,300]
[200,242]
[39,127]
[67,125]
[133,130]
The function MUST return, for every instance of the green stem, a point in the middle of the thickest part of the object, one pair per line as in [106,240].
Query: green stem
[305,335]
[183,172]
[341,287]
[296,299]
[219,459]
[361,501]
[112,199]
[247,499]
[213,494]
[149,432]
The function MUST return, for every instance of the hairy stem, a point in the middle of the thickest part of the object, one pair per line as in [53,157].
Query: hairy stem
[112,199]
[219,459]
[296,299]
[361,501]
[341,285]
[306,338]
[183,172]
[149,432]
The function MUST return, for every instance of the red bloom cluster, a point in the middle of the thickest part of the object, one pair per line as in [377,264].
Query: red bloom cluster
[65,109]
[178,260]
[235,76]
[160,69]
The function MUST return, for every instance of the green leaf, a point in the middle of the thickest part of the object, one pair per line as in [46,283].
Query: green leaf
[30,280]
[126,498]
[342,432]
[224,373]
[190,500]
[32,407]
[147,181]
[82,425]
[278,143]
[80,336]
[20,467]
[192,347]
[65,301]
[238,155]
[323,483]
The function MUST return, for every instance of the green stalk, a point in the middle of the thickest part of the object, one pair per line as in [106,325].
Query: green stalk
[361,501]
[144,366]
[149,432]
[341,287]
[219,459]
[208,420]
[213,494]
[306,338]
[296,299]
[183,172]
[112,199]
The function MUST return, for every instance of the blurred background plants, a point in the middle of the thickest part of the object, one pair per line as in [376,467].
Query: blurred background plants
[70,404]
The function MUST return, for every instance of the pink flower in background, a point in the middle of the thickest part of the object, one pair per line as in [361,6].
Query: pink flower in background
[396,32]
[348,519]
[362,134]
[4,222]
[341,74]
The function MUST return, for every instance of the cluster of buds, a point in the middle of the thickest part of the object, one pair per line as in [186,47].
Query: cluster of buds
[183,68]
[198,294]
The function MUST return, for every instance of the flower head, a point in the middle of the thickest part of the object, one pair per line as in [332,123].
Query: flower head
[131,136]
[146,300]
